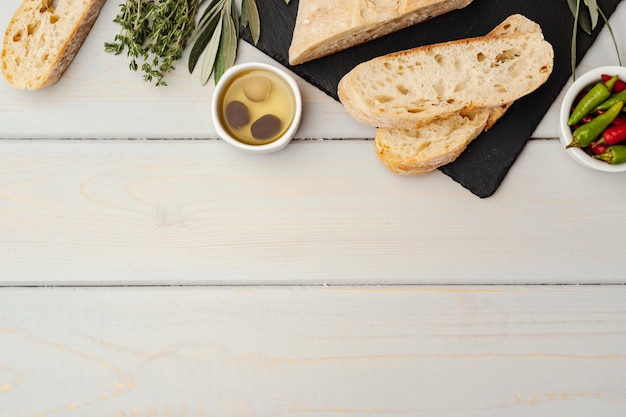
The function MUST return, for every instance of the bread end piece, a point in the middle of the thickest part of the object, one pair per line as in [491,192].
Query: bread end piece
[322,28]
[41,41]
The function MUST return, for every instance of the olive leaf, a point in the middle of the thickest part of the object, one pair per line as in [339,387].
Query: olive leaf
[582,16]
[250,17]
[217,35]
[592,5]
[204,32]
[227,49]
[210,54]
[586,17]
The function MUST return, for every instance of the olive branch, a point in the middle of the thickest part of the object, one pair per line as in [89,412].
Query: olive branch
[217,36]
[586,16]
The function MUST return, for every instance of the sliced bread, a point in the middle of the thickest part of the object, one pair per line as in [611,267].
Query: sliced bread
[42,39]
[419,151]
[411,88]
[324,27]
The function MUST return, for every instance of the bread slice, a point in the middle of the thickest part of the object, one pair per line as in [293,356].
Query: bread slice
[42,39]
[412,88]
[419,151]
[324,27]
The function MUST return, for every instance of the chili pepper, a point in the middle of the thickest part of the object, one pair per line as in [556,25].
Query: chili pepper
[612,100]
[598,147]
[598,93]
[614,155]
[589,132]
[587,119]
[619,121]
[614,135]
[619,84]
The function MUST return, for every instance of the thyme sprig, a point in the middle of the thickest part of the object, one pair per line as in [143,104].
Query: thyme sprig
[154,33]
[586,16]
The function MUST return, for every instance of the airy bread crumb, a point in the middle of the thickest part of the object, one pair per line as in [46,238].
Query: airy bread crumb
[42,39]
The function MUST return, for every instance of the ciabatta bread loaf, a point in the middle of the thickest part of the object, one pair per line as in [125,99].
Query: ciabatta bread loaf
[324,27]
[411,88]
[41,40]
[419,151]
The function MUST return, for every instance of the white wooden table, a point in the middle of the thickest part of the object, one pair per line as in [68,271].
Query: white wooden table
[149,270]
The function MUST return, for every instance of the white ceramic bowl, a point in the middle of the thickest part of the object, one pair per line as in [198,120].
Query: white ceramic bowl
[583,82]
[216,105]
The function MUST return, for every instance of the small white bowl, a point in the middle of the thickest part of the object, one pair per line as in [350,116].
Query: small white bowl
[218,96]
[583,82]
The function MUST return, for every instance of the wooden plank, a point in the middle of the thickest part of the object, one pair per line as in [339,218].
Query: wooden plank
[358,351]
[146,212]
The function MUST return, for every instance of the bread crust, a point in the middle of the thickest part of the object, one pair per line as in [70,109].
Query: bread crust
[33,63]
[322,28]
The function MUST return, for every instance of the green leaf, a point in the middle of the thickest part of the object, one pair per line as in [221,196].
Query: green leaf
[211,12]
[228,48]
[583,18]
[252,19]
[244,13]
[202,42]
[592,5]
[210,54]
[234,13]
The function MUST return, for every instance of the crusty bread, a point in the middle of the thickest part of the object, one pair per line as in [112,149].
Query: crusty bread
[324,27]
[419,151]
[42,39]
[411,88]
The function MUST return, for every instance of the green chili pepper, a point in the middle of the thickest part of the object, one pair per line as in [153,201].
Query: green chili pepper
[614,155]
[606,104]
[589,132]
[593,98]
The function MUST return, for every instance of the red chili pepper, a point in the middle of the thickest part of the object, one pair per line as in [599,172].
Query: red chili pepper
[614,135]
[598,147]
[618,121]
[619,84]
[587,119]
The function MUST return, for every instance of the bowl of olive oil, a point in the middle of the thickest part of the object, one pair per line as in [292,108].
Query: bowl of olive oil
[256,107]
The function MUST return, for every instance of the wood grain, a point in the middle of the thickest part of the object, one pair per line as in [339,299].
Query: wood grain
[313,351]
[146,212]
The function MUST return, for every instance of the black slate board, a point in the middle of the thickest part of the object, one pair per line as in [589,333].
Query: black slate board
[485,163]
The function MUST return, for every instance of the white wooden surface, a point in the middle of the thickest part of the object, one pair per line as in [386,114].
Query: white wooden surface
[82,219]
[94,212]
[306,351]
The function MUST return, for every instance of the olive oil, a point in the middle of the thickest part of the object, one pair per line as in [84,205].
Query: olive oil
[257,107]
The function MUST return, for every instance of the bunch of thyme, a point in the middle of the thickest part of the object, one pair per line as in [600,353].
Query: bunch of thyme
[155,33]
[586,17]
